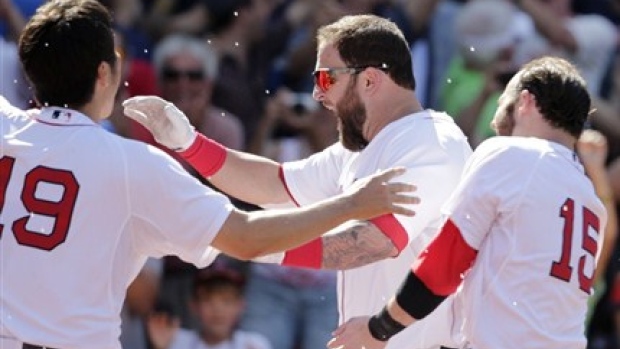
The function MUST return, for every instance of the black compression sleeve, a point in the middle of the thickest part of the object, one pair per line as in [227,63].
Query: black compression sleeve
[417,299]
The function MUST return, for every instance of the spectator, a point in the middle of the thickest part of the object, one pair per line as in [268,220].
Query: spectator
[486,33]
[246,43]
[218,301]
[588,41]
[185,69]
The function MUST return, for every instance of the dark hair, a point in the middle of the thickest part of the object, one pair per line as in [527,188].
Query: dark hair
[61,49]
[217,277]
[561,94]
[368,40]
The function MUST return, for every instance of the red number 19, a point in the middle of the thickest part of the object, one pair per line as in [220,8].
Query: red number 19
[562,269]
[61,210]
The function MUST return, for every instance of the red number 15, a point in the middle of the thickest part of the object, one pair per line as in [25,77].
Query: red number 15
[60,210]
[562,269]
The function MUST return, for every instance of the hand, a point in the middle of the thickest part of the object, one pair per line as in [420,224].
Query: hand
[592,149]
[376,195]
[169,126]
[354,334]
[161,329]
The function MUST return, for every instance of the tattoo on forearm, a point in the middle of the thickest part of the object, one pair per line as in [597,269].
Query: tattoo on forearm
[356,245]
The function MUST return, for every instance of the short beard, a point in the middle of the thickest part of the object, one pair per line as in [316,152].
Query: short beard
[352,115]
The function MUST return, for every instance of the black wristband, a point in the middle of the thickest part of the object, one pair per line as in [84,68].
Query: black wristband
[382,326]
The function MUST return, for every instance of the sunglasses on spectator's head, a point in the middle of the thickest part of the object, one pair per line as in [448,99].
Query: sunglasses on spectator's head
[324,78]
[171,74]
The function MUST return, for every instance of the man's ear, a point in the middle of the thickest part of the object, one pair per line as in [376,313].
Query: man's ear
[104,74]
[372,79]
[526,101]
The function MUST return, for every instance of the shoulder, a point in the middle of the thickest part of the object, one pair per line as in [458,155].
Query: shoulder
[514,153]
[428,133]
[140,154]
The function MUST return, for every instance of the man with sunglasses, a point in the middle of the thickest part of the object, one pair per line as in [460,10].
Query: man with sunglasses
[363,74]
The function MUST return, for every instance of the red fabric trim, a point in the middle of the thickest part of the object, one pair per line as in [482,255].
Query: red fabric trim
[391,227]
[205,155]
[444,260]
[283,180]
[309,255]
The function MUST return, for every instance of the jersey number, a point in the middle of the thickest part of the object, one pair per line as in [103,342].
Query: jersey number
[61,210]
[562,269]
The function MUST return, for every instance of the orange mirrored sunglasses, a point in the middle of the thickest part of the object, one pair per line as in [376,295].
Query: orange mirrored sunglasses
[324,78]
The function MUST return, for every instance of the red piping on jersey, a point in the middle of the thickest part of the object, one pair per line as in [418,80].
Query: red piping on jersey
[283,179]
[391,227]
[441,265]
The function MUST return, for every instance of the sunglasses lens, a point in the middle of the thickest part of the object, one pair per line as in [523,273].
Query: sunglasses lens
[323,79]
[195,75]
[170,74]
[173,74]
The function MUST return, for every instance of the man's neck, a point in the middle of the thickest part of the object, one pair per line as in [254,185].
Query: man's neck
[389,110]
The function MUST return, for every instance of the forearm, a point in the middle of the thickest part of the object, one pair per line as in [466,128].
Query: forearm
[604,191]
[348,246]
[605,118]
[355,244]
[251,178]
[249,235]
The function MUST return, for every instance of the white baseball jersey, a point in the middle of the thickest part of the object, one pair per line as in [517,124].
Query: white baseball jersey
[81,210]
[526,205]
[434,150]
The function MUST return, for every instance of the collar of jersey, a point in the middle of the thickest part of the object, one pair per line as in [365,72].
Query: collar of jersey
[58,116]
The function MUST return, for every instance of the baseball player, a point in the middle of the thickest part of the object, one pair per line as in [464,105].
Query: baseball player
[82,209]
[523,226]
[364,75]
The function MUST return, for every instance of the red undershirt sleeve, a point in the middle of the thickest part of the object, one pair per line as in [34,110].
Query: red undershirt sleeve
[391,227]
[441,265]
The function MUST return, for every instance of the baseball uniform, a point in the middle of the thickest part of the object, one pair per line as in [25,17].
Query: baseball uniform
[529,210]
[82,209]
[434,150]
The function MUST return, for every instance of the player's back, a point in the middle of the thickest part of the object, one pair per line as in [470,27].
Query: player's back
[533,274]
[61,185]
[79,219]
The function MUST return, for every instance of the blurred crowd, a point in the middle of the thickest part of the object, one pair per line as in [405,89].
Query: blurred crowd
[241,71]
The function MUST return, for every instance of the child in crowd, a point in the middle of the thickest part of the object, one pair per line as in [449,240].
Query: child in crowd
[218,304]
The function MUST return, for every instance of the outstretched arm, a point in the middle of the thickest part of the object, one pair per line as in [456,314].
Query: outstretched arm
[249,235]
[350,245]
